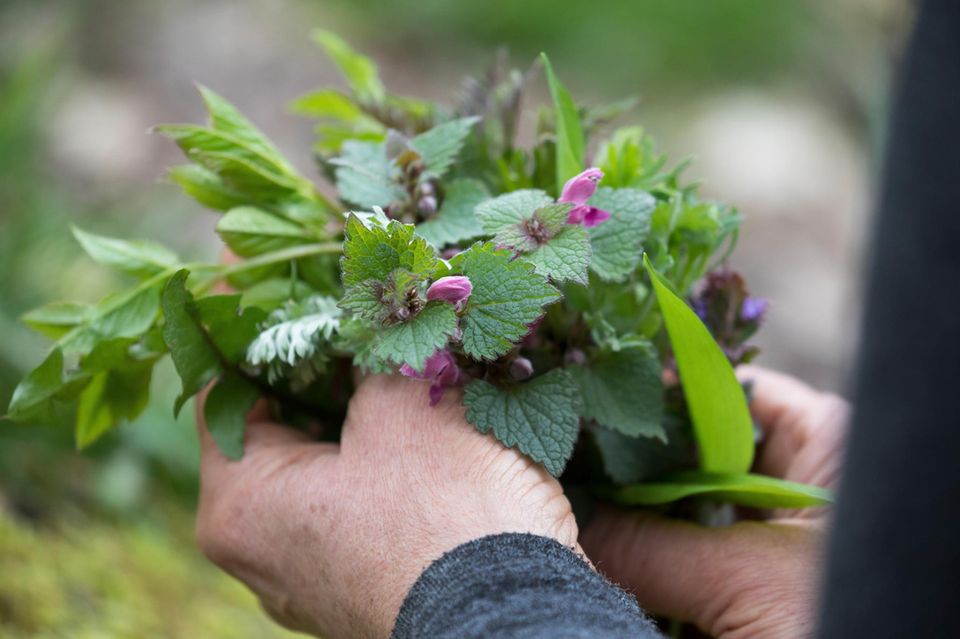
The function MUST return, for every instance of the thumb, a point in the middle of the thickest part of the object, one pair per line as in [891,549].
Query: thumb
[715,578]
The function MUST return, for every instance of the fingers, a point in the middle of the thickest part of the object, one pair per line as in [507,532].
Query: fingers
[702,575]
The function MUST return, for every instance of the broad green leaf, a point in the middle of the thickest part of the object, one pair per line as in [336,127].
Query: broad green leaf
[112,396]
[190,347]
[509,211]
[538,417]
[565,256]
[54,320]
[618,242]
[413,341]
[570,140]
[456,221]
[227,118]
[139,258]
[508,296]
[328,103]
[439,146]
[717,405]
[230,328]
[359,71]
[623,391]
[745,489]
[225,412]
[39,386]
[628,460]
[269,294]
[364,175]
[250,231]
[205,187]
[374,253]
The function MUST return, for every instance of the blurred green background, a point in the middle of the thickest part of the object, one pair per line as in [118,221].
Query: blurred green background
[783,103]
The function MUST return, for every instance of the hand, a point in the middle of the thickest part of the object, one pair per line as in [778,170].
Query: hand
[752,579]
[332,536]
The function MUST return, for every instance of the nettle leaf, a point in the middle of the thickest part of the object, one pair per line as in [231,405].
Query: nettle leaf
[539,417]
[439,146]
[508,296]
[205,187]
[54,320]
[570,138]
[250,231]
[413,341]
[628,460]
[503,215]
[718,407]
[139,258]
[623,391]
[225,412]
[373,253]
[618,242]
[359,71]
[565,256]
[365,176]
[744,489]
[456,221]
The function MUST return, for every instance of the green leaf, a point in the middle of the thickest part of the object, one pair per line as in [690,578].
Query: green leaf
[139,258]
[225,412]
[269,294]
[54,320]
[205,187]
[503,215]
[508,296]
[718,407]
[190,347]
[230,328]
[455,221]
[628,460]
[111,396]
[745,489]
[227,118]
[570,140]
[359,71]
[373,253]
[364,175]
[295,332]
[538,417]
[413,341]
[618,242]
[250,231]
[439,146]
[565,256]
[623,391]
[39,386]
[328,103]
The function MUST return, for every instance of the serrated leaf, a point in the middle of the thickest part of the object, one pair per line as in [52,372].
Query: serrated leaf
[250,231]
[618,242]
[456,222]
[374,253]
[564,257]
[718,407]
[205,187]
[294,332]
[359,71]
[439,146]
[139,258]
[510,210]
[570,139]
[744,489]
[623,391]
[54,320]
[508,296]
[413,341]
[364,175]
[539,417]
[191,349]
[225,412]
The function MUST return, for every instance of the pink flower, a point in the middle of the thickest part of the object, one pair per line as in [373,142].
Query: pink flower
[440,370]
[577,191]
[454,289]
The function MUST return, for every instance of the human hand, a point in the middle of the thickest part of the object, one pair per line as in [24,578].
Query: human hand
[752,579]
[332,536]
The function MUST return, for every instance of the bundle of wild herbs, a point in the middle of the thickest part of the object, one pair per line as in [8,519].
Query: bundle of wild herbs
[548,290]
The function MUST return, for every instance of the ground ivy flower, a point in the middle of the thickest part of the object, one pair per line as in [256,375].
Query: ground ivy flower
[453,288]
[440,370]
[753,309]
[577,191]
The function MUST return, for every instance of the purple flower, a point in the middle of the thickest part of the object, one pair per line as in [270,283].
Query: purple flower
[440,370]
[577,191]
[753,309]
[454,289]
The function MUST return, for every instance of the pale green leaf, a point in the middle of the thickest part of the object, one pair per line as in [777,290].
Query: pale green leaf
[618,242]
[250,231]
[456,221]
[227,118]
[139,258]
[413,341]
[439,146]
[565,256]
[359,71]
[509,211]
[38,387]
[205,187]
[328,103]
[110,397]
[570,139]
[54,320]
[364,175]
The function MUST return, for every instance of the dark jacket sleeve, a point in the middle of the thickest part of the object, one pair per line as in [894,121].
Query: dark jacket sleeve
[516,585]
[894,561]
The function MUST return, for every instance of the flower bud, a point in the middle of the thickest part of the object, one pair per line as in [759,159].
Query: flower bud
[427,205]
[521,368]
[575,356]
[454,289]
[581,188]
[753,309]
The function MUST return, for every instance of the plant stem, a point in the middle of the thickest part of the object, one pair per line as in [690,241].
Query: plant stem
[283,255]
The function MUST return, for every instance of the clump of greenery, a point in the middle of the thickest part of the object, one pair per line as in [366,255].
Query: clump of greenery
[550,291]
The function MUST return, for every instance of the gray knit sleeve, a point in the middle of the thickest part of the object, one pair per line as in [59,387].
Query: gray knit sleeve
[517,585]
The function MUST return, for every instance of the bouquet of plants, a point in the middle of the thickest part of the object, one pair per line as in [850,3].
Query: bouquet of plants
[584,309]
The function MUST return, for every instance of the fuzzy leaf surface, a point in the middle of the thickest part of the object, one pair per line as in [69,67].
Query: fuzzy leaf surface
[439,146]
[413,341]
[564,257]
[618,242]
[373,253]
[456,221]
[364,175]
